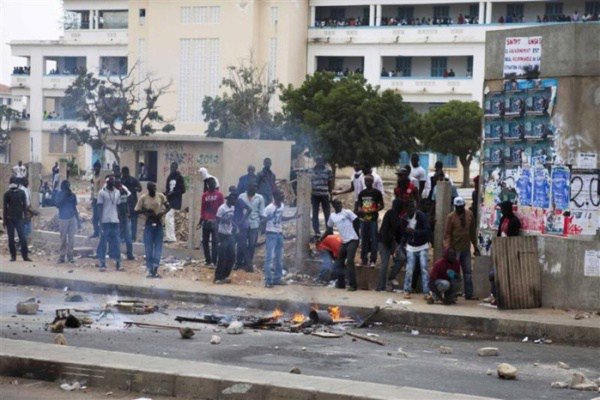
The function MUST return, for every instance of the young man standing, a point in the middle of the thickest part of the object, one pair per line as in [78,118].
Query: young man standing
[415,226]
[404,189]
[418,173]
[174,192]
[266,182]
[20,172]
[247,217]
[14,208]
[460,233]
[321,181]
[124,218]
[357,183]
[370,202]
[68,221]
[134,187]
[108,202]
[211,201]
[226,240]
[154,206]
[97,183]
[444,278]
[347,224]
[245,180]
[29,212]
[389,239]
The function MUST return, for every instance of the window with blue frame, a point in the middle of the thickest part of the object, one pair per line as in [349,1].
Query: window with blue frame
[438,66]
[592,7]
[554,9]
[404,66]
[515,9]
[405,12]
[449,160]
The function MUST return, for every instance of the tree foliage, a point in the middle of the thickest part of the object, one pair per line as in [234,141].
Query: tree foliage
[7,116]
[112,107]
[347,119]
[243,110]
[454,128]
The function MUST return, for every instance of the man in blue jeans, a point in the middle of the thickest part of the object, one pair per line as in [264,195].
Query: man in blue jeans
[247,218]
[154,206]
[415,226]
[108,201]
[370,202]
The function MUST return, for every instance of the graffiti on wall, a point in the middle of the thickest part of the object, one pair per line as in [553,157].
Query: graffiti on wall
[189,162]
[520,164]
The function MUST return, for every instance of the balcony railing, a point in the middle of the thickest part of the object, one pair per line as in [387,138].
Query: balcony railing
[20,81]
[429,85]
[58,81]
[104,36]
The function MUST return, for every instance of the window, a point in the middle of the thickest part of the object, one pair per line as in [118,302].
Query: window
[112,19]
[272,59]
[405,12]
[592,7]
[77,20]
[449,160]
[470,66]
[201,15]
[438,66]
[60,143]
[554,9]
[514,10]
[113,66]
[274,15]
[441,11]
[198,77]
[474,11]
[142,16]
[404,66]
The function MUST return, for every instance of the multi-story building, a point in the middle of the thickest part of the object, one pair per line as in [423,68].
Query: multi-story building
[95,39]
[431,51]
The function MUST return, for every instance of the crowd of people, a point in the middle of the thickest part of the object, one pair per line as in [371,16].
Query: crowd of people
[21,70]
[231,223]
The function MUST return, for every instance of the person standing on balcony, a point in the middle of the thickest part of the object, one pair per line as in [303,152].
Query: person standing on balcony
[175,188]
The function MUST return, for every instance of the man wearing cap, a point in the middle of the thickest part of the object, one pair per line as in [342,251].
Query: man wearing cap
[460,234]
[404,189]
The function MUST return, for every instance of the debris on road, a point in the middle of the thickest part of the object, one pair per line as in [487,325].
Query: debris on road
[73,298]
[580,382]
[215,339]
[186,332]
[295,370]
[506,371]
[446,350]
[70,386]
[402,353]
[326,335]
[60,339]
[559,385]
[414,332]
[488,351]
[366,338]
[563,365]
[28,307]
[235,328]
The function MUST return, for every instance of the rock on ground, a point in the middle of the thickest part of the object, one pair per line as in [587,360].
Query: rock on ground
[60,339]
[186,332]
[488,351]
[506,371]
[215,339]
[580,382]
[563,365]
[446,350]
[559,385]
[28,307]
[235,328]
[295,370]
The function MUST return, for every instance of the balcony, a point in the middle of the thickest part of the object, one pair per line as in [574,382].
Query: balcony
[60,82]
[20,81]
[418,88]
[52,125]
[103,36]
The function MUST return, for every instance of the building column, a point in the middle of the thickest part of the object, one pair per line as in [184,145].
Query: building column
[313,16]
[378,15]
[36,106]
[488,13]
[481,12]
[372,66]
[371,15]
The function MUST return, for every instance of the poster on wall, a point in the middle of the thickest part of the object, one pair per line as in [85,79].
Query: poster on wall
[532,219]
[585,203]
[524,186]
[522,55]
[560,193]
[591,263]
[554,222]
[541,187]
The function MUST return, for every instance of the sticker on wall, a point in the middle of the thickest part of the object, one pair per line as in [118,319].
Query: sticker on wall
[524,186]
[591,263]
[561,195]
[541,187]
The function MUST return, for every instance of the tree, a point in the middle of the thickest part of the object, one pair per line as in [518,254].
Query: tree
[114,107]
[7,115]
[455,128]
[347,119]
[242,112]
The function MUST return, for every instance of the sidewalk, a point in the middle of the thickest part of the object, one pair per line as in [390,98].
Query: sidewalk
[465,317]
[180,378]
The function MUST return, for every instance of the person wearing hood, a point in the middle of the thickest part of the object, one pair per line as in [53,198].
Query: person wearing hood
[15,205]
[175,188]
[460,233]
[206,176]
[444,278]
[68,220]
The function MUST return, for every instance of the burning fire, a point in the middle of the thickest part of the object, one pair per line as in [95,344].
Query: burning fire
[298,318]
[335,312]
[277,313]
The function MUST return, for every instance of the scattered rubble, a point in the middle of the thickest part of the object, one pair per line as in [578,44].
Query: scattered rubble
[60,339]
[402,353]
[488,352]
[506,371]
[215,339]
[563,365]
[28,307]
[446,350]
[580,382]
[73,298]
[489,372]
[70,386]
[186,332]
[57,327]
[235,328]
[295,370]
[559,385]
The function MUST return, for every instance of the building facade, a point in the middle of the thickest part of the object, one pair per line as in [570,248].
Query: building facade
[95,39]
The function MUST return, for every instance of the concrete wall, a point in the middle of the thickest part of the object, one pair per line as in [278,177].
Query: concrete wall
[563,282]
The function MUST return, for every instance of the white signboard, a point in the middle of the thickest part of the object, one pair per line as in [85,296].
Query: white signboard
[587,160]
[522,54]
[591,263]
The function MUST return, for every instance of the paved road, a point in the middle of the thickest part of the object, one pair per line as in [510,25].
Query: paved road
[462,372]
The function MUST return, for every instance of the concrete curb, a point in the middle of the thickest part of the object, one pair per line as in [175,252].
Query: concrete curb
[173,377]
[398,319]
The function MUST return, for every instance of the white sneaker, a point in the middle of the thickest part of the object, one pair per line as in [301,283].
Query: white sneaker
[394,282]
[489,299]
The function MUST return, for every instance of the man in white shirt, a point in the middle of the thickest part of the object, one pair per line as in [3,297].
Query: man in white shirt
[417,172]
[108,200]
[273,215]
[357,183]
[20,172]
[346,223]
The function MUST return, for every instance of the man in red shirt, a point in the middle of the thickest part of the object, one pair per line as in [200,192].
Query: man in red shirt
[444,278]
[211,201]
[404,189]
[329,250]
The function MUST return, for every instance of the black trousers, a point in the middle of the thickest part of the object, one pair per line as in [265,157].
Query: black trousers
[210,241]
[13,225]
[344,267]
